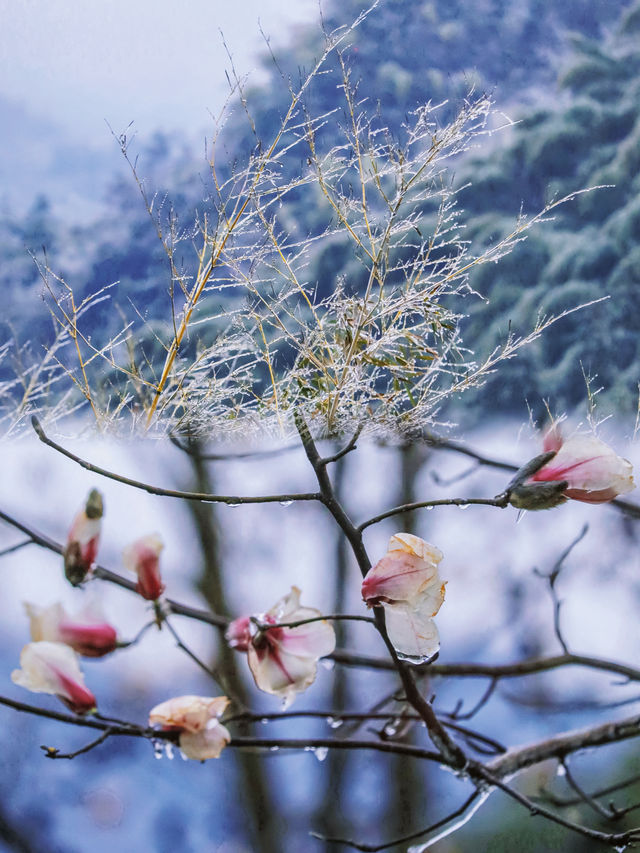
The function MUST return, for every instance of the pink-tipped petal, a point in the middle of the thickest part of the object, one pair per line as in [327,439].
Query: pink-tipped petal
[53,668]
[143,558]
[594,472]
[93,640]
[281,674]
[408,570]
[88,633]
[283,661]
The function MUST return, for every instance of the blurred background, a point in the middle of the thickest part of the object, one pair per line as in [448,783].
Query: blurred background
[569,76]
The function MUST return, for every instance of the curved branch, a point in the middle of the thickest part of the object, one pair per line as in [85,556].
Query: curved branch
[564,744]
[230,500]
[374,848]
[500,501]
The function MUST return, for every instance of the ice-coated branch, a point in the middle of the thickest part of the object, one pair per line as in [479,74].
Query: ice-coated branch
[500,501]
[230,500]
[412,836]
[328,617]
[564,744]
[616,840]
[110,729]
[450,750]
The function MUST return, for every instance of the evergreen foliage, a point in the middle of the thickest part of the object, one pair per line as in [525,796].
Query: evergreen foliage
[591,250]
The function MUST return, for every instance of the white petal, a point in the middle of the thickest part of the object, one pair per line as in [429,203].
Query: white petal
[285,608]
[192,713]
[44,622]
[281,674]
[416,546]
[412,632]
[207,743]
[314,640]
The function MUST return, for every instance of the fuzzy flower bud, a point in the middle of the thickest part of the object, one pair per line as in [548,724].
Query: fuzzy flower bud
[81,549]
[143,558]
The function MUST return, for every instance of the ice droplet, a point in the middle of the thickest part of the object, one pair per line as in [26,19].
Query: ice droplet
[333,723]
[158,748]
[561,771]
[274,748]
[416,660]
[233,505]
[168,750]
[464,506]
[285,503]
[429,508]
[520,515]
[328,664]
[264,721]
[321,752]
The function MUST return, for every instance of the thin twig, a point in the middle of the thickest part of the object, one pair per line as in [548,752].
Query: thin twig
[337,617]
[12,548]
[500,501]
[53,752]
[551,578]
[351,445]
[374,848]
[619,840]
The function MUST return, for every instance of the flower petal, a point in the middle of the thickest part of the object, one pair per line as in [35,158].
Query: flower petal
[595,473]
[143,558]
[281,674]
[416,546]
[190,713]
[207,743]
[399,576]
[53,668]
[412,632]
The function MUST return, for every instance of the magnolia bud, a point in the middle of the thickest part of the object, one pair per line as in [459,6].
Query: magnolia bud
[94,507]
[81,549]
[538,495]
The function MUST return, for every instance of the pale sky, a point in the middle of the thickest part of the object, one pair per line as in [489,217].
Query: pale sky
[156,62]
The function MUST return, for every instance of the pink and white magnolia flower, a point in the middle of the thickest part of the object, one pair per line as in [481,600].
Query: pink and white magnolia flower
[594,472]
[143,558]
[406,583]
[81,549]
[53,668]
[283,661]
[88,633]
[202,736]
